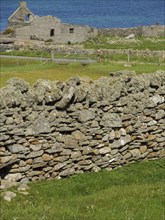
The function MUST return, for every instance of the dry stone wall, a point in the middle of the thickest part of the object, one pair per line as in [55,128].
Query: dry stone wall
[146,31]
[56,129]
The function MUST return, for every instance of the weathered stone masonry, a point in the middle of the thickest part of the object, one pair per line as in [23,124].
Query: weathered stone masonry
[56,129]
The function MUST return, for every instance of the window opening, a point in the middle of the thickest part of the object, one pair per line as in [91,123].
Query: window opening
[52,32]
[71,30]
[27,17]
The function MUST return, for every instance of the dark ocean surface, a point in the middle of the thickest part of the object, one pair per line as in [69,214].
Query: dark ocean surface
[95,13]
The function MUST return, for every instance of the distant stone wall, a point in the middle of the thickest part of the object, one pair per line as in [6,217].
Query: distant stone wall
[153,31]
[56,129]
[122,32]
[146,31]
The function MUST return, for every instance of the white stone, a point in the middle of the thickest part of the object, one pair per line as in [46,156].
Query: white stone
[13,177]
[8,196]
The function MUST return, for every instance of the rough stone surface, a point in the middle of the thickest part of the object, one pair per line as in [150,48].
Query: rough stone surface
[111,120]
[57,129]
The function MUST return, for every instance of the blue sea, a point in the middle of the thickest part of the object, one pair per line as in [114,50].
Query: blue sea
[95,13]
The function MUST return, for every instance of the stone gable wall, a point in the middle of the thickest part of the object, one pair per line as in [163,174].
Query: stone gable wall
[57,129]
[41,27]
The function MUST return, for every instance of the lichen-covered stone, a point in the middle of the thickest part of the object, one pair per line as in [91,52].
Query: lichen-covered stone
[56,129]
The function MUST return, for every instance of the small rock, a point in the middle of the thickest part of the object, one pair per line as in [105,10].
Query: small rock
[143,149]
[135,152]
[13,177]
[78,135]
[86,115]
[131,36]
[105,150]
[8,196]
[6,184]
[23,187]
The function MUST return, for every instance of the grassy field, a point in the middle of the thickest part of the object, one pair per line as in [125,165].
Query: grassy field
[33,70]
[105,57]
[115,42]
[134,192]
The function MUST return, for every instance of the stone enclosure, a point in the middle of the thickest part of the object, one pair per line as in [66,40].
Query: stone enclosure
[57,129]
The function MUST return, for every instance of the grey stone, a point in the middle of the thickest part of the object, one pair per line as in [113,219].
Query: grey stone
[125,140]
[127,156]
[8,196]
[154,100]
[23,187]
[18,84]
[67,172]
[66,99]
[70,142]
[36,147]
[17,148]
[87,150]
[114,151]
[86,115]
[33,173]
[4,137]
[80,94]
[34,154]
[59,166]
[135,152]
[78,135]
[121,142]
[160,114]
[37,160]
[13,177]
[96,169]
[105,150]
[24,180]
[6,184]
[111,120]
[131,36]
[38,165]
[76,155]
[61,158]
[24,168]
[40,126]
[5,159]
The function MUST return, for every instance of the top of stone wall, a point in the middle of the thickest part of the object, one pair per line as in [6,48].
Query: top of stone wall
[60,95]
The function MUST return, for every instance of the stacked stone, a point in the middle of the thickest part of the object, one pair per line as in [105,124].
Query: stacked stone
[56,129]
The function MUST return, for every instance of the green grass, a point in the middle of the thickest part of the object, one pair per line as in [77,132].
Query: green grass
[28,53]
[45,54]
[115,42]
[33,70]
[134,192]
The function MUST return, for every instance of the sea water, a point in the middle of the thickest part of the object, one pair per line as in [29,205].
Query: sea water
[95,13]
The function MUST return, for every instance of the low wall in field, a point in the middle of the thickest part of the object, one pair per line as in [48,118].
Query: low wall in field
[146,31]
[57,129]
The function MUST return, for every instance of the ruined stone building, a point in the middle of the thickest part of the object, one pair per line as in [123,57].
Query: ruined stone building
[29,26]
[21,17]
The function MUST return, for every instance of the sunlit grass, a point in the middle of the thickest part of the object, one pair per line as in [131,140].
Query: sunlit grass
[133,192]
[34,70]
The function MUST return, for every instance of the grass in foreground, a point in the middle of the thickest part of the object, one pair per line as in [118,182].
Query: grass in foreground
[134,192]
[33,70]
